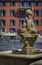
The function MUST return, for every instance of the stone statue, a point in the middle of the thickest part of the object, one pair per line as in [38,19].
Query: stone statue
[28,33]
[28,26]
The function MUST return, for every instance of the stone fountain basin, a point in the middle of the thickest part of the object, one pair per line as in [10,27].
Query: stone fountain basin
[38,51]
[11,53]
[6,52]
[8,58]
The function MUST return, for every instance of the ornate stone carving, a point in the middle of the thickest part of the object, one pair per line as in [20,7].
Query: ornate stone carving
[28,33]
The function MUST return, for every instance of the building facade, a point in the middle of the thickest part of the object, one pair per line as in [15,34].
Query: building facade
[12,14]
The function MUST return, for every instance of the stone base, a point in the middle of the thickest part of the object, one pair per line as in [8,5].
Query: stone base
[27,50]
[30,51]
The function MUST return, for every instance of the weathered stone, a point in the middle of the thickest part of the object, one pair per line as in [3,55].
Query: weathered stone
[28,34]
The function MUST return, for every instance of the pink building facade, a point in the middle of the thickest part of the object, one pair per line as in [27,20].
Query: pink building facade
[12,14]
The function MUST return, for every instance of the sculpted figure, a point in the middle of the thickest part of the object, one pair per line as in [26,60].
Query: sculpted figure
[28,32]
[28,26]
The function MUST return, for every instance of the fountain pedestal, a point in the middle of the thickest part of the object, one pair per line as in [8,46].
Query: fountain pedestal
[28,41]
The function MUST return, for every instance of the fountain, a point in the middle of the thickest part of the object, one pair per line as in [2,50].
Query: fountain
[26,55]
[28,34]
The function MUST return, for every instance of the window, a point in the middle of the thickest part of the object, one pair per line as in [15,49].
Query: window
[3,12]
[41,22]
[12,30]
[12,22]
[36,12]
[21,22]
[3,3]
[3,22]
[3,30]
[12,3]
[41,12]
[36,3]
[36,22]
[22,14]
[12,13]
[29,4]
[22,4]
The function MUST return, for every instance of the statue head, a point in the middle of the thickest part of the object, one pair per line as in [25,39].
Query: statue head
[29,13]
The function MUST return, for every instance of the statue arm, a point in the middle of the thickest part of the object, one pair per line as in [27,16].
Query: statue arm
[33,27]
